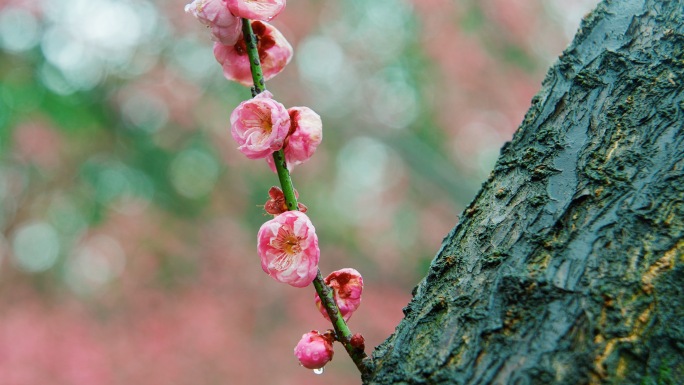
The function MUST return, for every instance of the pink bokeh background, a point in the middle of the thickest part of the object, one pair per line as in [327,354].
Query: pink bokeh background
[114,270]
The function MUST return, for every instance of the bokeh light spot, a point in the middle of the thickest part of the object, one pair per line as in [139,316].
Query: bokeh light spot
[76,60]
[191,58]
[35,246]
[95,263]
[86,40]
[19,30]
[394,103]
[66,217]
[320,59]
[194,173]
[386,21]
[112,25]
[145,112]
[54,80]
[121,185]
[364,161]
[111,183]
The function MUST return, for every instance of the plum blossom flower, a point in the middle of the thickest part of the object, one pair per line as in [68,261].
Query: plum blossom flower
[274,53]
[256,9]
[315,350]
[276,204]
[226,28]
[288,248]
[260,125]
[347,285]
[306,133]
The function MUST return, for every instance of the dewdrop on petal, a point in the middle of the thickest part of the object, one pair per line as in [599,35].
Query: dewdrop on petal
[259,126]
[314,350]
[274,53]
[347,286]
[264,10]
[288,248]
[226,28]
[306,133]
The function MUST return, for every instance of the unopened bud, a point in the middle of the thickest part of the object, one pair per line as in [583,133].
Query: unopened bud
[358,342]
[314,350]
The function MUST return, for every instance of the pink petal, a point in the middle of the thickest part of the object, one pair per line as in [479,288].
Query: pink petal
[314,350]
[264,10]
[288,248]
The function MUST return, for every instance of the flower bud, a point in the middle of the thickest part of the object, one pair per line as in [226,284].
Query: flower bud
[264,10]
[274,53]
[226,28]
[259,126]
[306,133]
[276,204]
[358,342]
[347,285]
[288,248]
[314,350]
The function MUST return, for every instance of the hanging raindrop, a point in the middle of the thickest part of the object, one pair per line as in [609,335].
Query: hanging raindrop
[318,371]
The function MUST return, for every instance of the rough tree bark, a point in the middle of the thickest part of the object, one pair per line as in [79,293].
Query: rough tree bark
[568,266]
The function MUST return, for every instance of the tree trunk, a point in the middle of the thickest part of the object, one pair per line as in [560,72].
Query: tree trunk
[568,266]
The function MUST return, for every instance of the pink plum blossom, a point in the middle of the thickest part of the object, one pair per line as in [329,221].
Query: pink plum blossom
[260,126]
[256,9]
[288,247]
[347,285]
[315,350]
[306,133]
[226,28]
[274,53]
[276,204]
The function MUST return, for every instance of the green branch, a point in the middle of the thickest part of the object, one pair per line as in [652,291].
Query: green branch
[285,180]
[253,54]
[343,334]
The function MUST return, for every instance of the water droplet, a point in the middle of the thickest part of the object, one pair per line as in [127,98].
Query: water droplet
[318,371]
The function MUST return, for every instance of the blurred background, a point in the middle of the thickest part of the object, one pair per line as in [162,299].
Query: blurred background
[128,219]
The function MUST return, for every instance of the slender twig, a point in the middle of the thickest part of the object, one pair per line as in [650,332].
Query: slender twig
[342,332]
[253,55]
[285,180]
